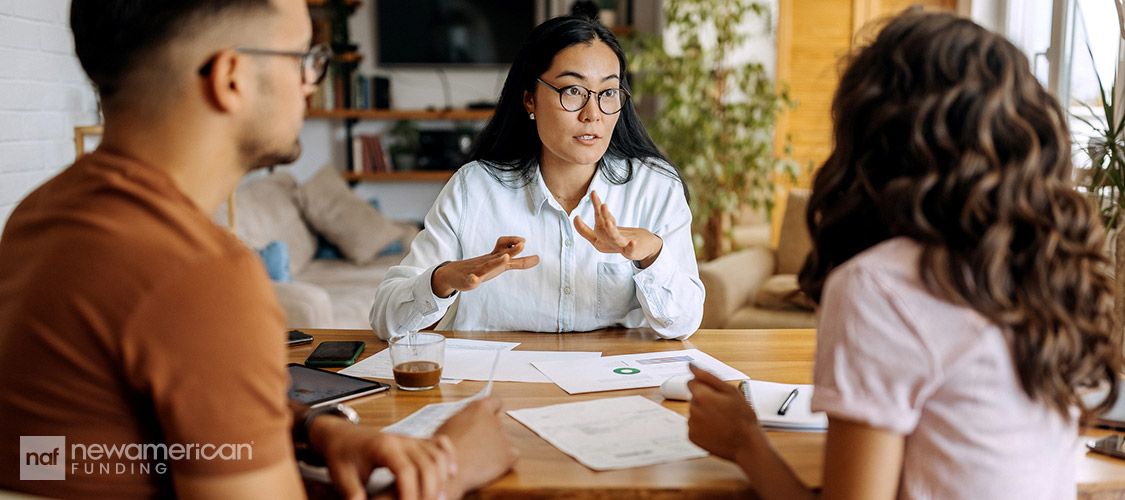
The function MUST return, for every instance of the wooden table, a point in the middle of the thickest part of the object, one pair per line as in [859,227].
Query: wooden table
[544,472]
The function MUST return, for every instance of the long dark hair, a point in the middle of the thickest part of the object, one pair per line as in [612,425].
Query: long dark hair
[944,136]
[509,146]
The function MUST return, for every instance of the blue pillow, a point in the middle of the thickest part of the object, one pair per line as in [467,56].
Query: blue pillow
[275,255]
[326,250]
[394,248]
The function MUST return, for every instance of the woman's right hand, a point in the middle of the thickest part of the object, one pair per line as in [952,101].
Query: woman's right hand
[720,420]
[465,275]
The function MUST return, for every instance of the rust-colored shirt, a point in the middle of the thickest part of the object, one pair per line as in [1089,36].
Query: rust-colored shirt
[127,318]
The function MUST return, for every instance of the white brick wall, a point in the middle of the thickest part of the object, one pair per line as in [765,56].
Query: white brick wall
[43,96]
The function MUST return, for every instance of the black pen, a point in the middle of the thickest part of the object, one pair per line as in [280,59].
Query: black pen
[788,400]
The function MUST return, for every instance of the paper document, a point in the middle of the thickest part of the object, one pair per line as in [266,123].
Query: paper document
[379,365]
[768,398]
[631,371]
[613,433]
[423,423]
[514,366]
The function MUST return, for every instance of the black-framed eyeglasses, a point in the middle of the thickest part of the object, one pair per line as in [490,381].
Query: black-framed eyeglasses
[314,62]
[574,97]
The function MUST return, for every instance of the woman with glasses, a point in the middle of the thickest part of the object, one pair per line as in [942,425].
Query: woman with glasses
[567,219]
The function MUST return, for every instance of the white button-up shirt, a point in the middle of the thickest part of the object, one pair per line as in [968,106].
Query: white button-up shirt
[574,287]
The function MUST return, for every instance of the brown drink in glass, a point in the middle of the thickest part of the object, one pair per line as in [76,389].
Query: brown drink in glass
[417,359]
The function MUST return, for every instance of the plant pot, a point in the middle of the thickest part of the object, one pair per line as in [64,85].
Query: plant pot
[607,17]
[405,162]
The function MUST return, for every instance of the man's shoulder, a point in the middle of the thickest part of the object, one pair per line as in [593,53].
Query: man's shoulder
[99,224]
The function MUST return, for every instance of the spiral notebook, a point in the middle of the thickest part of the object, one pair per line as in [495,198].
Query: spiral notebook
[768,397]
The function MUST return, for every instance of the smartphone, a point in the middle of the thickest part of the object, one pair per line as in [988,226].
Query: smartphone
[1113,446]
[297,337]
[316,387]
[335,353]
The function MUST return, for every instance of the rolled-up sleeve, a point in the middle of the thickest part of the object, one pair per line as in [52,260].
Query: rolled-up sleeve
[670,291]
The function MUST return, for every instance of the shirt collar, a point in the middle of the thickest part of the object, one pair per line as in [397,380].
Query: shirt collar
[539,195]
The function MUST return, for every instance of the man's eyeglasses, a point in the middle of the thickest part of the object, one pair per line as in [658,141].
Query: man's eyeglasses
[575,97]
[314,63]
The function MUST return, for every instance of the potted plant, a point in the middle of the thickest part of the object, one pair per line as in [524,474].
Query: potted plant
[607,14]
[716,117]
[1104,180]
[405,141]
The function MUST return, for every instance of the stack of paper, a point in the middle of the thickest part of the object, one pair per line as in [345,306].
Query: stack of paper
[768,398]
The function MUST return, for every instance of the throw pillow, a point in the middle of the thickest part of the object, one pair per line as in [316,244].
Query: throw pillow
[782,292]
[357,229]
[275,256]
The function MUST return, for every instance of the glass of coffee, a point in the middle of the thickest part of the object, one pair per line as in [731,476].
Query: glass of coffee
[417,359]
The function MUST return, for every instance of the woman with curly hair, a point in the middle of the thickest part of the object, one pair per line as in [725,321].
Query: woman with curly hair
[959,276]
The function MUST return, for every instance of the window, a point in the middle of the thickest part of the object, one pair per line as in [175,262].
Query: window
[1070,43]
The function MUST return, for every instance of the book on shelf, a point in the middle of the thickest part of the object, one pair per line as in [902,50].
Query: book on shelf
[369,155]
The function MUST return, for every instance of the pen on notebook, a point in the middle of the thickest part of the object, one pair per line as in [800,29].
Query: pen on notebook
[744,386]
[788,400]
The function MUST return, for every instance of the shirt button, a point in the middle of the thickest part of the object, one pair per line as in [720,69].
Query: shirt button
[566,290]
[567,243]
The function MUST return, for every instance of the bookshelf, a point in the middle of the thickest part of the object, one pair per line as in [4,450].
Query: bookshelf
[401,114]
[409,176]
[350,98]
[321,3]
[352,116]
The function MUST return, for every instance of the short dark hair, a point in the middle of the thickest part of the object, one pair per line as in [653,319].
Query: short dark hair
[109,34]
[509,146]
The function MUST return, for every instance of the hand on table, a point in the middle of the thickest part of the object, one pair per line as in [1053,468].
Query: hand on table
[720,421]
[423,468]
[631,242]
[483,450]
[465,275]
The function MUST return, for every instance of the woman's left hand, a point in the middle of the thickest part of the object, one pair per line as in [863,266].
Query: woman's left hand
[631,242]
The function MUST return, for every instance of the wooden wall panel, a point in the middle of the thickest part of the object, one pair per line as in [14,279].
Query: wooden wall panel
[813,34]
[813,37]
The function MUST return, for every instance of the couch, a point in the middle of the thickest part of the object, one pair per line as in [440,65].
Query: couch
[757,287]
[318,219]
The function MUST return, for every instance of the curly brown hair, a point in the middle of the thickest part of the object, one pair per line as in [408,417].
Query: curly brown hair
[944,136]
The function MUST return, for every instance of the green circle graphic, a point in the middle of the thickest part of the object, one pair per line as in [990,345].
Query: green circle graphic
[626,371]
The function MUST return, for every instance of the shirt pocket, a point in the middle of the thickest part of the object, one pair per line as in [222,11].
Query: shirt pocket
[616,291]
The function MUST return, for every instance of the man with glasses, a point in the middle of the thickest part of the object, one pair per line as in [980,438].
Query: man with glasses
[130,322]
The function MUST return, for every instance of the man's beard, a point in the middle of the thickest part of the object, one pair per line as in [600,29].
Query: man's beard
[257,153]
[277,157]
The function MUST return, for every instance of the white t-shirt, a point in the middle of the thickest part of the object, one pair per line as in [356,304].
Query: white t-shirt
[574,287]
[893,356]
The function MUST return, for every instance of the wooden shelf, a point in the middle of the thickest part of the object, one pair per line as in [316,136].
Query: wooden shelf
[403,114]
[352,57]
[321,3]
[410,176]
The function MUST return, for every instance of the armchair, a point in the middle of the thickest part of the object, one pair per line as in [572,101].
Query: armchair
[757,287]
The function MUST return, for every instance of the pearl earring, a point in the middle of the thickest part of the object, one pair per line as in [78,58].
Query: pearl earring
[531,115]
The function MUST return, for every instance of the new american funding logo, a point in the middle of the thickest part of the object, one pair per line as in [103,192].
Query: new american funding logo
[47,458]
